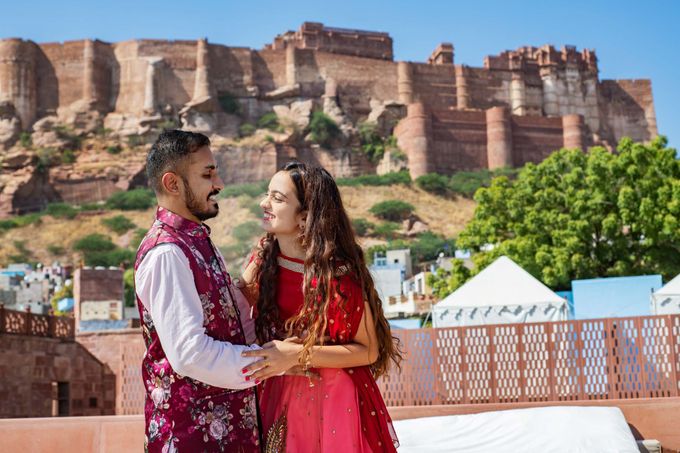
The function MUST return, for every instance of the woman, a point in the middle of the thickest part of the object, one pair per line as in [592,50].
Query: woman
[311,283]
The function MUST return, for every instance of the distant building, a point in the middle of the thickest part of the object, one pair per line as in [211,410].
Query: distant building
[98,294]
[390,271]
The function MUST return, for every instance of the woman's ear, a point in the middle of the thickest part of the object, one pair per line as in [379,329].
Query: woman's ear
[170,183]
[302,219]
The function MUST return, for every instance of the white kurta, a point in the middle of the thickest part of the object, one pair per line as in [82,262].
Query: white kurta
[165,285]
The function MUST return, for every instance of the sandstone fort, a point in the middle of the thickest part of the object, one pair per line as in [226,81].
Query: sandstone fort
[516,108]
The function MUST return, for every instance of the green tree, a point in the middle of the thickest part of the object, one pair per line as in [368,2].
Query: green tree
[65,291]
[129,287]
[393,210]
[583,215]
[444,282]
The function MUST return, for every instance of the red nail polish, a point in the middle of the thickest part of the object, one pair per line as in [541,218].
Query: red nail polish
[244,371]
[257,381]
[247,378]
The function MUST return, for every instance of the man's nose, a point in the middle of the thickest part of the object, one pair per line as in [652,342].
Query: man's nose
[218,183]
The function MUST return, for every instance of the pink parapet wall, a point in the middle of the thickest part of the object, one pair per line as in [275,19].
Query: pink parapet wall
[106,434]
[648,418]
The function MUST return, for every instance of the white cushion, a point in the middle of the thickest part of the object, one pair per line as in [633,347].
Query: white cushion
[570,429]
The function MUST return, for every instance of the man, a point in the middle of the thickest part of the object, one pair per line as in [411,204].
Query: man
[197,398]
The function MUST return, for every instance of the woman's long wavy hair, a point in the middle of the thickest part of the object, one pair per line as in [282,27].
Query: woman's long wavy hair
[329,241]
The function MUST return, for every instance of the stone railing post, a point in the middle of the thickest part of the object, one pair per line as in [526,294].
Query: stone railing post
[29,321]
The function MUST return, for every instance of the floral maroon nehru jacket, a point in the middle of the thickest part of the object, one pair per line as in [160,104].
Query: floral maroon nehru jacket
[183,414]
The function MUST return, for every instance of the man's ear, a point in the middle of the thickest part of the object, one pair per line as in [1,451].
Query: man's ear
[170,182]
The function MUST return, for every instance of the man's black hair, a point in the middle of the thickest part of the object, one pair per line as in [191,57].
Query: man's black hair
[169,151]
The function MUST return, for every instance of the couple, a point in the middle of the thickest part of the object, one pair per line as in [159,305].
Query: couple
[300,376]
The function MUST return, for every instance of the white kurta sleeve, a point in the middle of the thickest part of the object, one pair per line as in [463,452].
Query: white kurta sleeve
[165,286]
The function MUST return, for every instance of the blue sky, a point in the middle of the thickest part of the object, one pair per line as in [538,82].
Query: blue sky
[633,39]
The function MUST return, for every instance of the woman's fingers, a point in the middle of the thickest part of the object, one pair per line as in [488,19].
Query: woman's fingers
[253,367]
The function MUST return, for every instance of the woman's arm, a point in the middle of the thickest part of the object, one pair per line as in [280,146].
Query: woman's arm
[280,356]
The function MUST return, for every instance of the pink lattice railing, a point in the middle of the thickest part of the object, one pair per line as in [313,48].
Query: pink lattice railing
[616,358]
[27,323]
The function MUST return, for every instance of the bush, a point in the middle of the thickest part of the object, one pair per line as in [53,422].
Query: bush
[394,210]
[135,140]
[246,129]
[46,157]
[322,128]
[387,230]
[387,179]
[167,124]
[68,156]
[229,103]
[102,132]
[246,231]
[253,189]
[23,256]
[25,139]
[98,250]
[119,224]
[269,121]
[7,224]
[433,183]
[90,207]
[372,144]
[362,226]
[68,134]
[61,211]
[94,243]
[136,199]
[28,219]
[56,250]
[467,182]
[114,149]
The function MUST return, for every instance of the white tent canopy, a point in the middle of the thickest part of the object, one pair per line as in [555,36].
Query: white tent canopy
[666,300]
[502,293]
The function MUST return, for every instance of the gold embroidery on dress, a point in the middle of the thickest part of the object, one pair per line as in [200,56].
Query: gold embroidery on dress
[276,437]
[291,265]
[300,267]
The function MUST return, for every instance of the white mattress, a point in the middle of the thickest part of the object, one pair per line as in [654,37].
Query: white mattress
[545,429]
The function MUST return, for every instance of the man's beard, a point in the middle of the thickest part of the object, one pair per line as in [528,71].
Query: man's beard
[194,206]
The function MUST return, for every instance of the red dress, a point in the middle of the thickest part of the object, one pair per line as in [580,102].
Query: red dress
[344,411]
